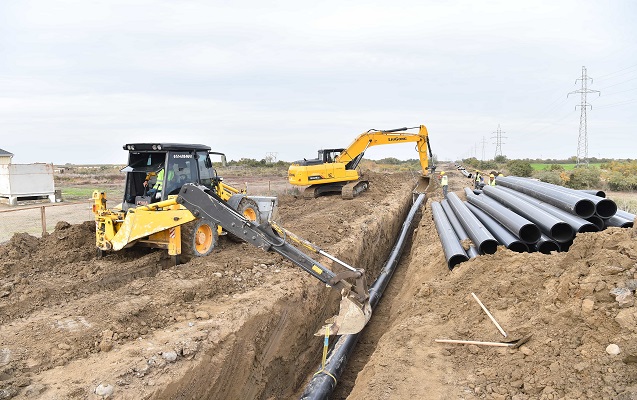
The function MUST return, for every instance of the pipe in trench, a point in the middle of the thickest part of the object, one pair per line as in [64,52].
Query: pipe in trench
[479,234]
[519,226]
[582,207]
[322,385]
[548,223]
[579,225]
[454,253]
[457,227]
[509,240]
[605,208]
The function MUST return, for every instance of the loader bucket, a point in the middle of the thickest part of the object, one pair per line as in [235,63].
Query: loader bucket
[351,319]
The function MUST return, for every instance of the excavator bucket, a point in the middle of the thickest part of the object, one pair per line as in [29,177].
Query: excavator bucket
[351,319]
[423,185]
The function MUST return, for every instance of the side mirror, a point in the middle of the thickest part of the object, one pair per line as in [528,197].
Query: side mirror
[207,162]
[223,161]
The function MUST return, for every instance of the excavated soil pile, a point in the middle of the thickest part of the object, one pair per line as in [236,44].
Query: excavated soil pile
[236,324]
[574,305]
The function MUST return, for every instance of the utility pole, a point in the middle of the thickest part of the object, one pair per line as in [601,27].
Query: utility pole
[484,141]
[498,141]
[582,139]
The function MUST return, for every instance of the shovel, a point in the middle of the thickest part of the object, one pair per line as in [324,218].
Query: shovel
[513,344]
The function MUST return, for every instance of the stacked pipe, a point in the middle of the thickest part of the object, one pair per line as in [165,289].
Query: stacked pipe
[522,215]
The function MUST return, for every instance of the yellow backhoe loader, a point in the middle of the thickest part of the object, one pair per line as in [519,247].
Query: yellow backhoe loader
[148,217]
[174,199]
[335,170]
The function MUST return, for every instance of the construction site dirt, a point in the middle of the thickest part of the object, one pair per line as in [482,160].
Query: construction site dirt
[240,323]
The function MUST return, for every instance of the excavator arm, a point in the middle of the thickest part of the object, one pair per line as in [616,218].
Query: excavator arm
[355,309]
[354,152]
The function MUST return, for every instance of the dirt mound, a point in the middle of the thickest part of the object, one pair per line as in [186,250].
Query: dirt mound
[573,304]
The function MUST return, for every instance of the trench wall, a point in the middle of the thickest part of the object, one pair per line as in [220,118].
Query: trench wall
[275,351]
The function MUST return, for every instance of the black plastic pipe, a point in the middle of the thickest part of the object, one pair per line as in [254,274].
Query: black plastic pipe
[618,221]
[454,253]
[322,385]
[579,225]
[582,207]
[546,245]
[457,227]
[548,223]
[605,208]
[480,236]
[506,238]
[625,215]
[598,193]
[597,221]
[519,226]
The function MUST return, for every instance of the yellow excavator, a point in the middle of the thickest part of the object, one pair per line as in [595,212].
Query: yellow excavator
[335,170]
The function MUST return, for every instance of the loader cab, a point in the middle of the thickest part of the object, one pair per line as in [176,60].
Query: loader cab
[156,171]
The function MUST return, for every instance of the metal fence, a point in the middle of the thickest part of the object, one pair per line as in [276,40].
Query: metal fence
[37,219]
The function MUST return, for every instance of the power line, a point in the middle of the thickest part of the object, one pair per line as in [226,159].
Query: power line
[498,141]
[582,139]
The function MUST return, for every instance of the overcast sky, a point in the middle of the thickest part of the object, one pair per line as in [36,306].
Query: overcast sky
[79,78]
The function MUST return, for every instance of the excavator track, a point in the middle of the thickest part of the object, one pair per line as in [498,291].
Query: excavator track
[353,189]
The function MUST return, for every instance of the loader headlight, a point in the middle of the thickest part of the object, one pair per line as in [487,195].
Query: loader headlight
[130,147]
[154,147]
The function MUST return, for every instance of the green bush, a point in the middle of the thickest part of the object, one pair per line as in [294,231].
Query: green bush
[555,167]
[619,182]
[549,177]
[519,168]
[584,178]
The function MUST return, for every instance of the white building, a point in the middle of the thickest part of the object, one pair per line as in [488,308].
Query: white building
[25,181]
[5,157]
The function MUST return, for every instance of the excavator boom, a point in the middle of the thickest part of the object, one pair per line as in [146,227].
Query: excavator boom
[355,308]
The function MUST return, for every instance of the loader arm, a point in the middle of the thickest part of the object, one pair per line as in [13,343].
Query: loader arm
[355,304]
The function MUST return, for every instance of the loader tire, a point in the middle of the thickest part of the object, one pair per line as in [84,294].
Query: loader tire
[198,239]
[250,210]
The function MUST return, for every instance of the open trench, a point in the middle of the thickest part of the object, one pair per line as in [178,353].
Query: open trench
[275,353]
[240,323]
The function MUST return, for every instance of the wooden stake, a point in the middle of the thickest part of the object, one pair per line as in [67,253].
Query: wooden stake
[497,344]
[489,315]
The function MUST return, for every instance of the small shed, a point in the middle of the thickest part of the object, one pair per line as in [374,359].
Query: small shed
[25,181]
[5,157]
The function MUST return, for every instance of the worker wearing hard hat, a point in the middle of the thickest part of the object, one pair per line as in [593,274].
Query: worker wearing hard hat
[478,180]
[444,182]
[492,180]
